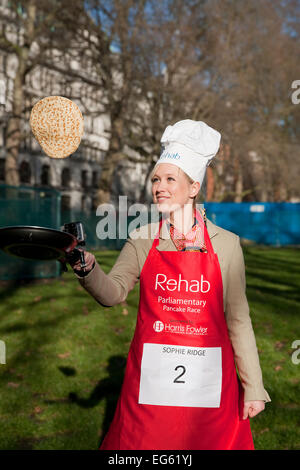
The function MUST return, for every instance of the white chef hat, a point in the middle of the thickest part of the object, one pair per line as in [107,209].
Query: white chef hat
[191,145]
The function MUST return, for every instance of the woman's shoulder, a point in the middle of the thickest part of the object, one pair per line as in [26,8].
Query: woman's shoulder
[223,233]
[225,243]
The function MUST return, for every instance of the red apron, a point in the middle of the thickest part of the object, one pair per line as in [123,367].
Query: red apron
[180,390]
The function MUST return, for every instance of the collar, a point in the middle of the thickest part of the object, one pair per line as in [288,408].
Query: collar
[211,228]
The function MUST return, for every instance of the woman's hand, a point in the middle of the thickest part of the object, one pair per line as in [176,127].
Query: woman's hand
[89,261]
[252,408]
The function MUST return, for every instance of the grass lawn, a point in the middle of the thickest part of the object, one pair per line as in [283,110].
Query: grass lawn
[66,356]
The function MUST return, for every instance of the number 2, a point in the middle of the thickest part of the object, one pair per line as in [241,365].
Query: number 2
[176,381]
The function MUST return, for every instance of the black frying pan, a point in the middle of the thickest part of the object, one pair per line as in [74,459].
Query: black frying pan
[36,243]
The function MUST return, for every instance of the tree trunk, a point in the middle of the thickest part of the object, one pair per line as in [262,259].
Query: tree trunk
[238,185]
[113,156]
[210,184]
[13,130]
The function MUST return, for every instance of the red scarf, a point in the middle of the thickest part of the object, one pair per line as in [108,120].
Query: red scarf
[193,240]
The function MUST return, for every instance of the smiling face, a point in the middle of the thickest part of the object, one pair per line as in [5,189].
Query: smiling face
[171,188]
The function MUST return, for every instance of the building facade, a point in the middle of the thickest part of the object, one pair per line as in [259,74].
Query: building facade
[64,74]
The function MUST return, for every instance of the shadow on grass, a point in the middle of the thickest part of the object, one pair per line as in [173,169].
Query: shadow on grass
[107,389]
[271,274]
[8,288]
[272,259]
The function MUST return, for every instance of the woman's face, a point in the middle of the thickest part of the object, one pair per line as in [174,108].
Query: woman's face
[171,189]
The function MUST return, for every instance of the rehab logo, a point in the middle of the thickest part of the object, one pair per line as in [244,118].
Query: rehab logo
[158,326]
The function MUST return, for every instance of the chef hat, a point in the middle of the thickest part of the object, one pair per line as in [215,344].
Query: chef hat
[190,145]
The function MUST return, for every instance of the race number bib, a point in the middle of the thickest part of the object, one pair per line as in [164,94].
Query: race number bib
[173,375]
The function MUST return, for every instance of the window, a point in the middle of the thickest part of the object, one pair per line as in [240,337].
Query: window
[84,178]
[25,172]
[2,169]
[95,179]
[65,178]
[45,175]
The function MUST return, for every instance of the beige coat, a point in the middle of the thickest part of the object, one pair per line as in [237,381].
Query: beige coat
[111,289]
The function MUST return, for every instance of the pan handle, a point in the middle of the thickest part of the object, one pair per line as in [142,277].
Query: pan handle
[76,255]
[71,258]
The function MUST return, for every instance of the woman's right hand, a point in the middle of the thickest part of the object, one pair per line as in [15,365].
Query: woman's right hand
[76,264]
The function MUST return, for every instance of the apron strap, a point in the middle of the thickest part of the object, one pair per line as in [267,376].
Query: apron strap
[156,239]
[207,241]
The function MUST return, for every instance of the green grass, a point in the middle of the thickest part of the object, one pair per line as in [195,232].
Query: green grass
[66,356]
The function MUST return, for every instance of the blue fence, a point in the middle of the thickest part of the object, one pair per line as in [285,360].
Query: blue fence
[276,224]
[268,223]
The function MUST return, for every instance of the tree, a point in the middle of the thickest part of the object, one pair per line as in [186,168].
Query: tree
[254,47]
[147,55]
[223,62]
[29,29]
[150,63]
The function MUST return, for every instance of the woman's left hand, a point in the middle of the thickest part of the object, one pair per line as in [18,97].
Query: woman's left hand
[252,408]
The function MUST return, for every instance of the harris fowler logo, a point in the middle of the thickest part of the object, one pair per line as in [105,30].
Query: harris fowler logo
[159,326]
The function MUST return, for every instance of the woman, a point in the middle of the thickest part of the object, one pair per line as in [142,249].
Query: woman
[181,389]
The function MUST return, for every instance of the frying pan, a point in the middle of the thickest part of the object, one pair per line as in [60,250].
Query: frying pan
[36,243]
